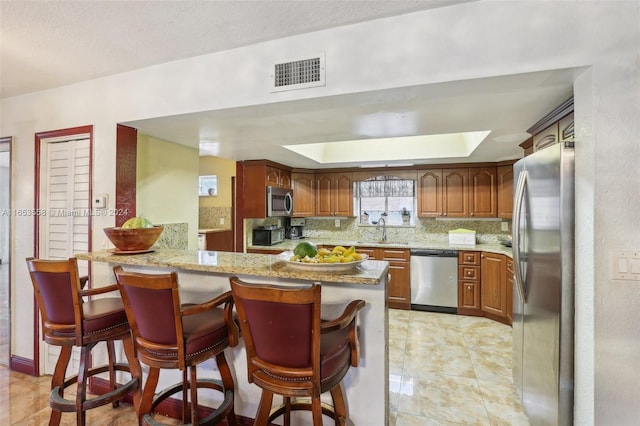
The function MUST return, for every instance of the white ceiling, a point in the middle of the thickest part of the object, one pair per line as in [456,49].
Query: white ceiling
[45,44]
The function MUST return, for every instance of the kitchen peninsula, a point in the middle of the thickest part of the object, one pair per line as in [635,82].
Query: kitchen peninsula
[204,274]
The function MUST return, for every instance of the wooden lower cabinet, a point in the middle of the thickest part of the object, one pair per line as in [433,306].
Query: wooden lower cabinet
[399,286]
[510,288]
[493,296]
[469,286]
[219,240]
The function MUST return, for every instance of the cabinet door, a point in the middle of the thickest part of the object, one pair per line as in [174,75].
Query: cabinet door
[566,128]
[455,192]
[493,295]
[505,191]
[304,197]
[430,193]
[334,194]
[324,188]
[483,192]
[399,291]
[285,179]
[343,195]
[272,176]
[468,296]
[546,138]
[219,241]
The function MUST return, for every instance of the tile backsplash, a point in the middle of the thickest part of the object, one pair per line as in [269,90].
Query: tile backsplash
[425,230]
[209,217]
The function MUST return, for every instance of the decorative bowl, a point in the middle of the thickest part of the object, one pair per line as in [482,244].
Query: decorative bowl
[133,239]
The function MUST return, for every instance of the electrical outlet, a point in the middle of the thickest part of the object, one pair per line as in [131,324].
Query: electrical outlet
[222,221]
[504,226]
[336,223]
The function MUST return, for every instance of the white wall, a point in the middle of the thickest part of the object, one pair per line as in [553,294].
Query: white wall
[471,40]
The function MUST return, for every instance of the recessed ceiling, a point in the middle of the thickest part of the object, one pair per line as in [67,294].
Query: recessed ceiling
[390,150]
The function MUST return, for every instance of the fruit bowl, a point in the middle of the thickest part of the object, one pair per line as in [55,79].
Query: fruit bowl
[133,239]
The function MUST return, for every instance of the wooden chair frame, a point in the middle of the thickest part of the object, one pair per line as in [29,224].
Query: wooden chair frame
[69,335]
[296,382]
[147,352]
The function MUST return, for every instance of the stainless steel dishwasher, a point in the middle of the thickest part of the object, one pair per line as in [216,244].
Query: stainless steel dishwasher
[434,280]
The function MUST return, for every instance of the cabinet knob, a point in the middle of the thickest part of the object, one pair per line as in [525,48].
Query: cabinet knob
[471,213]
[469,287]
[445,214]
[469,273]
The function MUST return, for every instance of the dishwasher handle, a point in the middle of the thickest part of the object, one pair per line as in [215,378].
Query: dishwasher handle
[434,253]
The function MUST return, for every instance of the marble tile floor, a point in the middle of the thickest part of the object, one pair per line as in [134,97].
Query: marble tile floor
[443,370]
[450,370]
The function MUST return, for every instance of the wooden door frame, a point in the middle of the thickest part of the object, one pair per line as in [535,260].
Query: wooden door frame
[39,137]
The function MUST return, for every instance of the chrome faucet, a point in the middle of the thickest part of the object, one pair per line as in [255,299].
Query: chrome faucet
[384,228]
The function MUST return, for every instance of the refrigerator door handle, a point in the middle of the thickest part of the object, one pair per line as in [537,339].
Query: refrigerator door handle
[517,209]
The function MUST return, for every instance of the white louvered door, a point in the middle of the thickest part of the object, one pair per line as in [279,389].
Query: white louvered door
[64,228]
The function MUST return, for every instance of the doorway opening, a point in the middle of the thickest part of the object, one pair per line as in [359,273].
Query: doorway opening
[5,250]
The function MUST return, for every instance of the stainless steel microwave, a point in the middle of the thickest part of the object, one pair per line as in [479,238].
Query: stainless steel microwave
[279,201]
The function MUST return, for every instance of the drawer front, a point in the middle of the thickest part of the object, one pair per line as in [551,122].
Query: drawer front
[368,251]
[396,254]
[468,273]
[469,257]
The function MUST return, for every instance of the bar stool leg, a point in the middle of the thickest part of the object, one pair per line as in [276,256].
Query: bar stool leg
[58,379]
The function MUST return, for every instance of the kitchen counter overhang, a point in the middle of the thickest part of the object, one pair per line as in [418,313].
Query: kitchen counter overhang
[205,274]
[369,272]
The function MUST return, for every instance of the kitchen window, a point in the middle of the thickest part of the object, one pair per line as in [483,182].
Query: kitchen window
[386,196]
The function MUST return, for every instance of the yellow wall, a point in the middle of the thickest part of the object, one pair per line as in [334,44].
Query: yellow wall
[225,170]
[167,183]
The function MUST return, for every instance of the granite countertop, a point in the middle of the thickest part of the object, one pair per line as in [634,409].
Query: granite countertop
[368,272]
[488,247]
[208,230]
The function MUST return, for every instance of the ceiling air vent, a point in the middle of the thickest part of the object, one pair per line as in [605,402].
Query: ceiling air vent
[298,74]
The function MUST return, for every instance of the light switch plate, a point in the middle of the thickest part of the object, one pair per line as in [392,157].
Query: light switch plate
[100,201]
[504,226]
[336,223]
[626,265]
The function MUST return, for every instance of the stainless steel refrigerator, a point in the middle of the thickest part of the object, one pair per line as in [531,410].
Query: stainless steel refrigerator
[543,255]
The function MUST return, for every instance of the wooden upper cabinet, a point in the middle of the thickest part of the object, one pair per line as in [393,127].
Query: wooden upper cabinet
[505,191]
[545,138]
[455,200]
[257,176]
[459,192]
[430,193]
[277,177]
[334,194]
[483,192]
[566,128]
[304,196]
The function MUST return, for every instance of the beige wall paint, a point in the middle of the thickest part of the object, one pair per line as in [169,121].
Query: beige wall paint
[167,183]
[224,169]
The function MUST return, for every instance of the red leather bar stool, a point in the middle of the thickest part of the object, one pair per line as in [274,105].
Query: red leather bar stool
[68,321]
[170,335]
[291,352]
